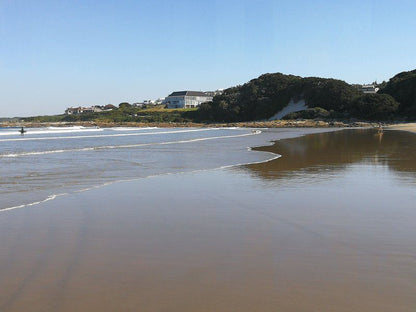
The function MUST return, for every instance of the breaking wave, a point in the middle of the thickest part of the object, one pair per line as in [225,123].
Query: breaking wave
[95,148]
[101,135]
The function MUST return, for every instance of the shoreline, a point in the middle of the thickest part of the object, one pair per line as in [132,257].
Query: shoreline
[248,124]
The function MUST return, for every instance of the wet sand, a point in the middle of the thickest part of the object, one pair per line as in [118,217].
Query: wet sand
[311,234]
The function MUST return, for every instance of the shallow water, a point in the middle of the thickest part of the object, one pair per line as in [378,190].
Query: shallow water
[329,226]
[47,162]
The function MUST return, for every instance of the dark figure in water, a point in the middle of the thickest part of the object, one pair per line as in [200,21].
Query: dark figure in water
[22,131]
[380,128]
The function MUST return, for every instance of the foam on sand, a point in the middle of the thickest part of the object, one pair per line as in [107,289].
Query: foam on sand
[50,197]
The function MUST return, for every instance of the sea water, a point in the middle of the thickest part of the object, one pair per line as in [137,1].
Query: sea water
[55,161]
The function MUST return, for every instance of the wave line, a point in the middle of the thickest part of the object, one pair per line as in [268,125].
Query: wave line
[86,149]
[50,197]
[106,135]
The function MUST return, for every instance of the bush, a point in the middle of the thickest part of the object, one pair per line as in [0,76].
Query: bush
[310,113]
[261,98]
[374,106]
[403,88]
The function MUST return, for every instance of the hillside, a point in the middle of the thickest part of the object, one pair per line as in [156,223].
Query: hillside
[266,95]
[403,88]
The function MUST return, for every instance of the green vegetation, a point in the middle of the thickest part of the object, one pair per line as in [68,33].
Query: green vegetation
[261,98]
[125,113]
[53,118]
[374,107]
[258,99]
[403,88]
[310,113]
[10,119]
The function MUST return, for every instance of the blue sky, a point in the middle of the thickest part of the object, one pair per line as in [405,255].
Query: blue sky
[60,53]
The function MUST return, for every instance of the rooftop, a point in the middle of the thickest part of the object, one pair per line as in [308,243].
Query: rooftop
[188,93]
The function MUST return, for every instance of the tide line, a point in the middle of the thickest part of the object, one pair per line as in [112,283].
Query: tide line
[50,197]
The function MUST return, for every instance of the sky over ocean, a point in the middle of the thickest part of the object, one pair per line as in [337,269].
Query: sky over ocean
[56,54]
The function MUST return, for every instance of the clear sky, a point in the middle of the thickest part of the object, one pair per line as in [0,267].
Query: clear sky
[61,53]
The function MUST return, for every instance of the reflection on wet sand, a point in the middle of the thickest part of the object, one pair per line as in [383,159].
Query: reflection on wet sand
[335,150]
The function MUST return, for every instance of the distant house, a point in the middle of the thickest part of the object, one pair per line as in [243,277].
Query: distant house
[109,107]
[149,102]
[159,101]
[72,110]
[369,88]
[82,110]
[214,93]
[186,99]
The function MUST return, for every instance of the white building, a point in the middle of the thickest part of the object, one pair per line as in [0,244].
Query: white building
[82,110]
[369,88]
[186,99]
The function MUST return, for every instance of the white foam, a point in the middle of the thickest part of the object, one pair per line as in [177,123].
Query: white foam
[86,149]
[9,132]
[67,128]
[50,197]
[132,128]
[48,131]
[103,135]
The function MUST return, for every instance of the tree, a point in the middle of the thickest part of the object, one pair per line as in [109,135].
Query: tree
[124,105]
[403,88]
[374,107]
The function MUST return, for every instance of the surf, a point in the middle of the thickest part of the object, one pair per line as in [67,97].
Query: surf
[101,135]
[104,147]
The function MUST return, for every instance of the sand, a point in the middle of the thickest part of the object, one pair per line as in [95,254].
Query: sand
[310,233]
[403,127]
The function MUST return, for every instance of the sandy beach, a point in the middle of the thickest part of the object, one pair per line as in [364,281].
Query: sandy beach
[403,127]
[207,156]
[318,229]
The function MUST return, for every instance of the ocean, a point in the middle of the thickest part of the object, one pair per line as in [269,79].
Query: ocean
[48,162]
